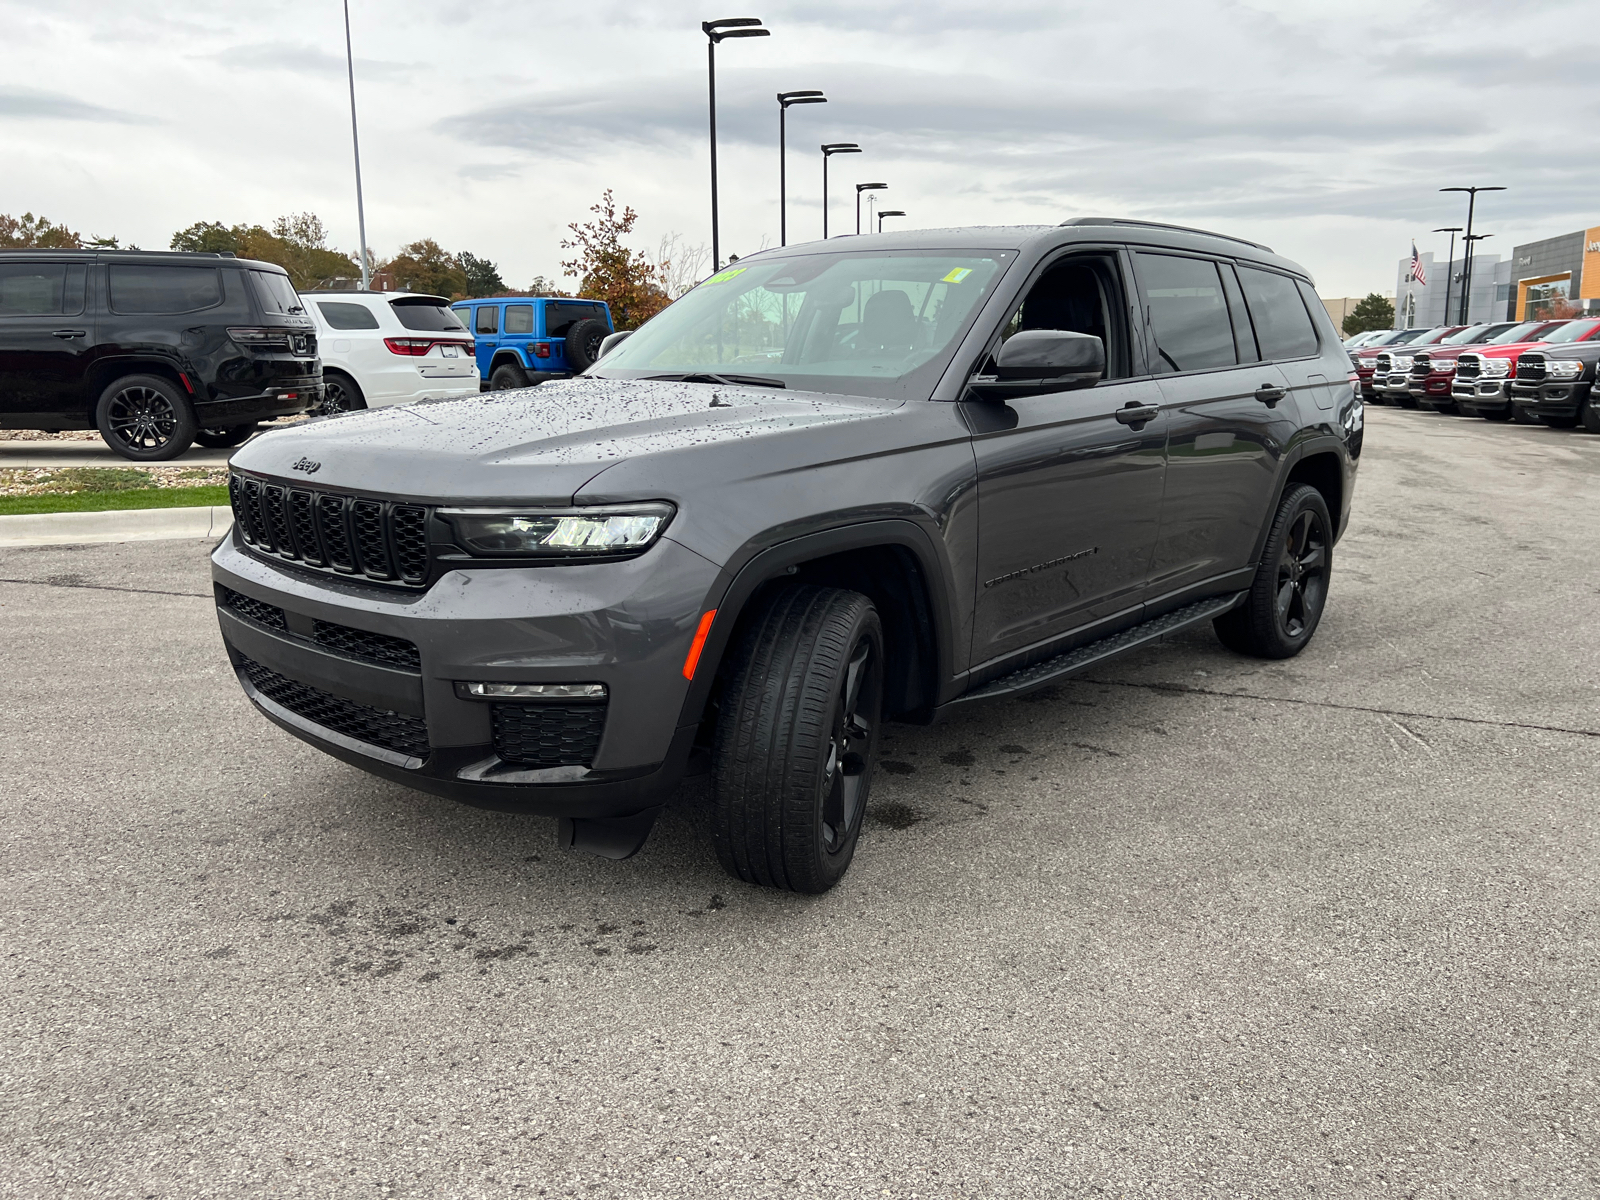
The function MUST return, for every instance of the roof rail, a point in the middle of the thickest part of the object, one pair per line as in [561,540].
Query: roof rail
[1227,237]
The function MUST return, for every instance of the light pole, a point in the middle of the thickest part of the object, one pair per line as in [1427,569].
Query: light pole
[355,144]
[1466,290]
[828,151]
[715,31]
[1449,270]
[784,100]
[1466,267]
[888,212]
[865,187]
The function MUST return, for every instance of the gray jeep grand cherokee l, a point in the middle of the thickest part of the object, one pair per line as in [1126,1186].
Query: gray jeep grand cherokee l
[836,484]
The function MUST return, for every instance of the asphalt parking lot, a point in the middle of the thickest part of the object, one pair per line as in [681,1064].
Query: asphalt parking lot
[1196,926]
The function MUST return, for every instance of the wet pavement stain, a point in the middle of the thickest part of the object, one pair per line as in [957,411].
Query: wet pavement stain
[894,815]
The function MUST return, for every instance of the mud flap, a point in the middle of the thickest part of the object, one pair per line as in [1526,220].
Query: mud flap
[608,837]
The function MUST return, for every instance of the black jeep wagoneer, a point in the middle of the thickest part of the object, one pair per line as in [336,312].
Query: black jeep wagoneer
[836,484]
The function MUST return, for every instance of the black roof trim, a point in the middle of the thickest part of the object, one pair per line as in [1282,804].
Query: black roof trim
[1227,237]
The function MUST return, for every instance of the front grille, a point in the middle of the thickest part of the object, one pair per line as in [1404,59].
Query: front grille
[374,726]
[548,735]
[1468,366]
[1385,364]
[1531,368]
[252,609]
[1421,367]
[352,535]
[358,643]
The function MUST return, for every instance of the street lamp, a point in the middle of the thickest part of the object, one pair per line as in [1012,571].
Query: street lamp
[1469,250]
[715,31]
[784,100]
[865,187]
[1466,268]
[1449,270]
[355,144]
[888,212]
[828,151]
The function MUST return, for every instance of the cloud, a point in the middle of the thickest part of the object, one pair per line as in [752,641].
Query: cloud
[52,106]
[300,59]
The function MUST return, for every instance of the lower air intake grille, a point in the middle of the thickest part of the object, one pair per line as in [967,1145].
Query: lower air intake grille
[375,647]
[548,735]
[250,608]
[375,726]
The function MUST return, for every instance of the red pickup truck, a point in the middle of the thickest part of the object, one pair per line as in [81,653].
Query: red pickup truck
[1482,386]
[1364,359]
[1391,375]
[1434,368]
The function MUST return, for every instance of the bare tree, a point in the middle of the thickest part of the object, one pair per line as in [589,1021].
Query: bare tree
[681,264]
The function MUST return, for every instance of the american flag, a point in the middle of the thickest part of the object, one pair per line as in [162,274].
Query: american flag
[1417,272]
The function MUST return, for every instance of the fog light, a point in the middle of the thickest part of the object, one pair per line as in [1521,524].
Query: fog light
[531,691]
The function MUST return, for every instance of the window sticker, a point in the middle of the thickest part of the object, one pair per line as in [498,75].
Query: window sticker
[724,276]
[957,275]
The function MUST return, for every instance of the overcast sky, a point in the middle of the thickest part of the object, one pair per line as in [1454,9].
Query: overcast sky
[1323,129]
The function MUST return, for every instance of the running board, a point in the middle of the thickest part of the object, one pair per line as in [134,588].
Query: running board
[1072,662]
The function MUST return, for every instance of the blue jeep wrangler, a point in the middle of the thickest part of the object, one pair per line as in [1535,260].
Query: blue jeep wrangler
[524,340]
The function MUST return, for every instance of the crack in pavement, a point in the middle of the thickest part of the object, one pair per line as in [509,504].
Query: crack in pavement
[105,587]
[1184,688]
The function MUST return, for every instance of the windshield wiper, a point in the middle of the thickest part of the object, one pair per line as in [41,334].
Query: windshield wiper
[709,377]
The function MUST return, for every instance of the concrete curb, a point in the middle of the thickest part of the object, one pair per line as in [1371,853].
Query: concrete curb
[120,525]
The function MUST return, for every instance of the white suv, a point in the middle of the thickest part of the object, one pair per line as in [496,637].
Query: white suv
[382,348]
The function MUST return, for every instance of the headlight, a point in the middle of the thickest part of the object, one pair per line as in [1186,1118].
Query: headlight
[609,532]
[1564,368]
[1496,368]
[1369,363]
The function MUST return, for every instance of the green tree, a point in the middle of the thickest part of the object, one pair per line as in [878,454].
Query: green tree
[627,280]
[426,267]
[1371,312]
[205,237]
[29,232]
[483,277]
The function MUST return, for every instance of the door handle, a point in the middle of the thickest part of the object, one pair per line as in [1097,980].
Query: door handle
[70,333]
[1270,393]
[1135,414]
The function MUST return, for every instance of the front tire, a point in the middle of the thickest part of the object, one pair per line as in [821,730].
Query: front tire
[1290,590]
[145,419]
[797,738]
[1589,417]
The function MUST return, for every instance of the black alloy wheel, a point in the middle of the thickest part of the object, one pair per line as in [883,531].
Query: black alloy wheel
[340,394]
[144,418]
[796,739]
[583,343]
[1285,602]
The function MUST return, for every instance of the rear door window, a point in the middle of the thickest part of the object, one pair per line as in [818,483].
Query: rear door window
[340,314]
[41,289]
[487,320]
[136,288]
[519,318]
[428,316]
[1188,313]
[1283,326]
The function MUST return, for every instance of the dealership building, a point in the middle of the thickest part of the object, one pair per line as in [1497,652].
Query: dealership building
[1531,283]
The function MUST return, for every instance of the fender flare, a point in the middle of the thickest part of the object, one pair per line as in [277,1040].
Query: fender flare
[734,587]
[509,354]
[1313,445]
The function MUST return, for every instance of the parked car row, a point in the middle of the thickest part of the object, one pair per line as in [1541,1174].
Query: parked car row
[159,351]
[1527,371]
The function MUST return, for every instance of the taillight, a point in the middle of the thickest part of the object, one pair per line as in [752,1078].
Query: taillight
[541,349]
[260,339]
[415,347]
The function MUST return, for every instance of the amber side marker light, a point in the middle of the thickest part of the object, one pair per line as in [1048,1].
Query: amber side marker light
[698,644]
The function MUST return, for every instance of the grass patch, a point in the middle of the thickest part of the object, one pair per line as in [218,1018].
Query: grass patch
[106,500]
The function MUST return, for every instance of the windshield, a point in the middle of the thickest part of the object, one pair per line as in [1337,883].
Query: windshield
[1517,333]
[1408,335]
[869,323]
[1572,331]
[1466,337]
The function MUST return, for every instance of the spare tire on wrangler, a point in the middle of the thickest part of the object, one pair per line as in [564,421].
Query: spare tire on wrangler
[583,343]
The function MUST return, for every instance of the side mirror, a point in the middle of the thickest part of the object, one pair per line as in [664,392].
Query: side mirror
[612,340]
[1043,360]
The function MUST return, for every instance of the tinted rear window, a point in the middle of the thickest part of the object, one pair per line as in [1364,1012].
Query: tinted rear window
[519,318]
[40,289]
[427,317]
[276,293]
[1188,312]
[152,289]
[560,314]
[487,320]
[1283,326]
[344,315]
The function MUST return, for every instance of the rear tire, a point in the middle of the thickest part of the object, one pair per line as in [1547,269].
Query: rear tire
[221,439]
[1285,602]
[507,377]
[340,394]
[797,738]
[145,419]
[583,343]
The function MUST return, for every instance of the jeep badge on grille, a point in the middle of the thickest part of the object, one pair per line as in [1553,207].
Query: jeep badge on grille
[307,465]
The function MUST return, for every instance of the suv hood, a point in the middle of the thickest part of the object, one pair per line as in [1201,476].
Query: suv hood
[538,444]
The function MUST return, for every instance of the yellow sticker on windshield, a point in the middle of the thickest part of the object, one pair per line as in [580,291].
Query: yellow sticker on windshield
[957,275]
[724,276]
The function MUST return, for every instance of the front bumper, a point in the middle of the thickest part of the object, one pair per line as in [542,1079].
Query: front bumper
[1555,399]
[1478,396]
[627,625]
